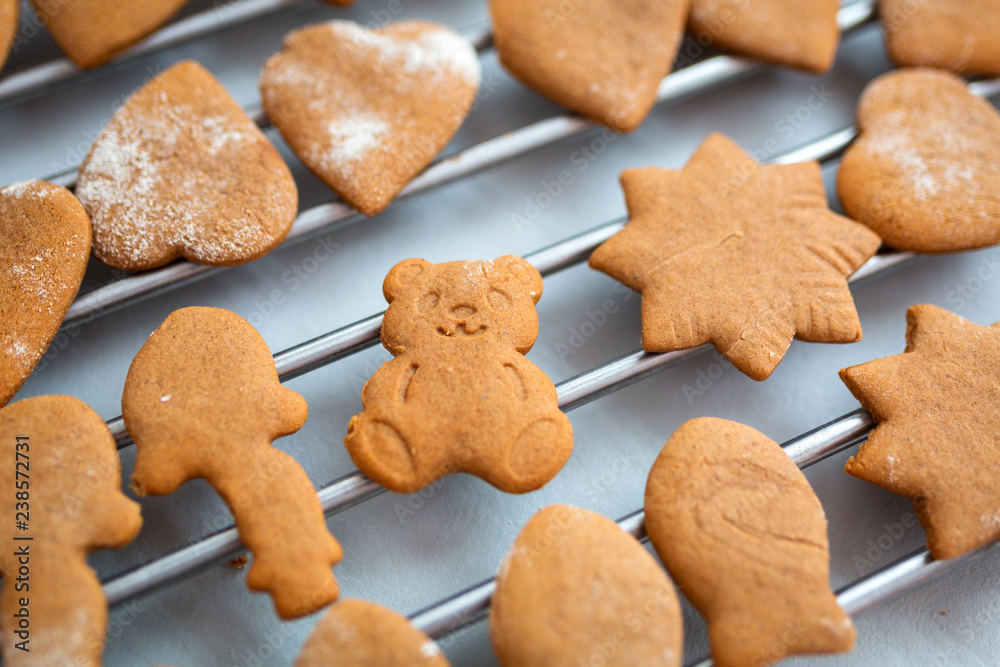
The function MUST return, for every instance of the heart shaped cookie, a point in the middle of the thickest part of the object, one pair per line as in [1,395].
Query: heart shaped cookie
[603,59]
[367,110]
[181,171]
[92,32]
[925,170]
[8,26]
[44,246]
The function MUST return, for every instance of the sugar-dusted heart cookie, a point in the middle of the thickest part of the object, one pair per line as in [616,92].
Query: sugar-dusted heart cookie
[460,395]
[574,585]
[925,171]
[960,36]
[8,26]
[91,32]
[44,247]
[202,400]
[744,536]
[796,33]
[603,58]
[936,440]
[367,110]
[60,467]
[363,634]
[742,255]
[181,171]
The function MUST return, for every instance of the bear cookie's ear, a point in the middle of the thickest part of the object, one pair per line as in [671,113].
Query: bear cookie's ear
[402,275]
[515,274]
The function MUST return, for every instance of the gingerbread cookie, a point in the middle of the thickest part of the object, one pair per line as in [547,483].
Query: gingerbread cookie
[92,32]
[61,469]
[44,247]
[925,170]
[603,59]
[8,26]
[936,439]
[459,395]
[744,536]
[741,255]
[961,36]
[367,110]
[573,586]
[181,171]
[363,634]
[793,33]
[202,400]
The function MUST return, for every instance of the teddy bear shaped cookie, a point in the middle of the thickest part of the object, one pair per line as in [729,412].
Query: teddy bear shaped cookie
[459,395]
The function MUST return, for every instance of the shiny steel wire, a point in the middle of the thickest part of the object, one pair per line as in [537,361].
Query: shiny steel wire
[356,487]
[690,80]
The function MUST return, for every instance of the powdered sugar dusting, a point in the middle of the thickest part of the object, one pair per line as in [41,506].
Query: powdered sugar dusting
[353,138]
[430,649]
[159,171]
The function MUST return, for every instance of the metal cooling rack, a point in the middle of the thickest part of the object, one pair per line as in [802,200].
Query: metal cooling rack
[449,615]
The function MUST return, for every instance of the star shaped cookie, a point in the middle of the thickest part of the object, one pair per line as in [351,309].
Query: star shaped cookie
[744,256]
[937,407]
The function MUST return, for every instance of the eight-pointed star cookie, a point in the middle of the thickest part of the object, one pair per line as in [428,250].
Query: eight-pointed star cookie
[937,407]
[741,255]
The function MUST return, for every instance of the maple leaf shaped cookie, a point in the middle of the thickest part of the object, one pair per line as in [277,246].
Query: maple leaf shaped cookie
[793,33]
[744,256]
[181,171]
[937,407]
[367,110]
[92,32]
[601,58]
[8,26]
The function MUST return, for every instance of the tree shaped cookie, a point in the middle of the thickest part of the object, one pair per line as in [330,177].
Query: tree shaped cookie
[959,36]
[63,480]
[737,254]
[573,586]
[202,400]
[44,247]
[181,171]
[367,110]
[936,406]
[8,26]
[925,170]
[363,634]
[744,536]
[92,32]
[602,58]
[459,395]
[794,33]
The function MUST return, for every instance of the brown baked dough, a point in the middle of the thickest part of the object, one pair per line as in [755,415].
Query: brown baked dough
[575,589]
[8,26]
[92,32]
[925,170]
[744,536]
[744,256]
[959,35]
[202,400]
[44,247]
[937,407]
[459,395]
[601,58]
[181,171]
[363,634]
[71,477]
[803,34]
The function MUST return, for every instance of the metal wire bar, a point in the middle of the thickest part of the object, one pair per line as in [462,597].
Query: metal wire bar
[696,78]
[220,17]
[356,487]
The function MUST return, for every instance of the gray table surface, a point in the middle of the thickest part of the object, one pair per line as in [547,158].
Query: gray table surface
[459,533]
